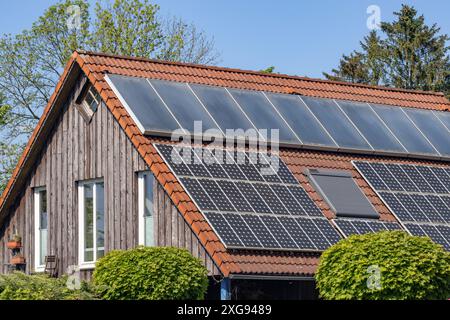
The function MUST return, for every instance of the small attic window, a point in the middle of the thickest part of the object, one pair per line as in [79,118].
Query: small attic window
[89,104]
[342,194]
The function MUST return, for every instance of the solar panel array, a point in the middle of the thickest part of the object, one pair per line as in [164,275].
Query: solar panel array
[418,195]
[349,227]
[159,107]
[251,200]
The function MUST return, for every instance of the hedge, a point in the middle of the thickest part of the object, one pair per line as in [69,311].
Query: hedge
[150,273]
[409,268]
[20,286]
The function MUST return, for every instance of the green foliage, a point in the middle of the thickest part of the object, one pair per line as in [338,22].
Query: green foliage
[9,156]
[20,286]
[410,55]
[152,273]
[32,61]
[270,69]
[410,268]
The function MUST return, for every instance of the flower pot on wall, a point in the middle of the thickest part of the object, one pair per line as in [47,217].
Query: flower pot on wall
[14,244]
[18,259]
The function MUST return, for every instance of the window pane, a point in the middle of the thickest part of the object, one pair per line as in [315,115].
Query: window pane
[88,223]
[149,231]
[148,209]
[100,212]
[42,245]
[148,192]
[43,209]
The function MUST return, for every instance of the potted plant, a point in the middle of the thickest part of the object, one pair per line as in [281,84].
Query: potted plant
[17,259]
[15,242]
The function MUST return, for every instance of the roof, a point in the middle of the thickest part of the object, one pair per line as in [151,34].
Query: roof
[96,65]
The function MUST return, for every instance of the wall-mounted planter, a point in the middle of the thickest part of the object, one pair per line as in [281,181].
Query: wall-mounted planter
[14,244]
[18,259]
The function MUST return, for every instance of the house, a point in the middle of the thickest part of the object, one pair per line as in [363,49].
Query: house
[97,173]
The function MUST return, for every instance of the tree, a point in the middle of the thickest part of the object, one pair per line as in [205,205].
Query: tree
[270,69]
[410,55]
[384,265]
[417,53]
[32,61]
[351,69]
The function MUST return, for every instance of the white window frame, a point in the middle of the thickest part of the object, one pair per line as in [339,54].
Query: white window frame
[38,266]
[81,261]
[141,206]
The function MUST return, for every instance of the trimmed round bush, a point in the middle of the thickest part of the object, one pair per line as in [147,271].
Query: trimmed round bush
[384,265]
[151,273]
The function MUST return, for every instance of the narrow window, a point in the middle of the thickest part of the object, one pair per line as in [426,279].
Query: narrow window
[40,228]
[91,222]
[145,209]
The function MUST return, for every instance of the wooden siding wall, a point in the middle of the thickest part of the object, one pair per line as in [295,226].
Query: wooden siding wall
[77,150]
[171,229]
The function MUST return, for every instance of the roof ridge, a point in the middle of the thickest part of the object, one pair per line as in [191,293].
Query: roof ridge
[253,72]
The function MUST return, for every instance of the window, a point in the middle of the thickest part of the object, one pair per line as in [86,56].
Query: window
[40,228]
[342,194]
[89,104]
[91,222]
[145,208]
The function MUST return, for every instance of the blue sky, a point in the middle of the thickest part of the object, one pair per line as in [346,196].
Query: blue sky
[297,37]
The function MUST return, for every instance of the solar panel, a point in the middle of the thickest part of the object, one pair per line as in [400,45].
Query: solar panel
[278,232]
[262,115]
[198,194]
[371,126]
[290,202]
[250,214]
[219,198]
[389,180]
[349,227]
[271,199]
[261,232]
[432,180]
[222,228]
[222,108]
[423,207]
[336,123]
[404,129]
[242,230]
[301,120]
[431,231]
[183,104]
[432,128]
[418,179]
[235,196]
[297,233]
[253,197]
[159,107]
[308,206]
[143,104]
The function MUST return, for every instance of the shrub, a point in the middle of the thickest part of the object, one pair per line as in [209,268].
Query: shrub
[20,286]
[150,273]
[410,268]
